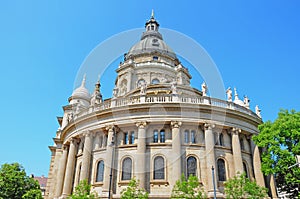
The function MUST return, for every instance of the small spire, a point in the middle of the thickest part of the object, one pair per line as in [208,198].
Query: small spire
[152,14]
[98,80]
[83,80]
[236,97]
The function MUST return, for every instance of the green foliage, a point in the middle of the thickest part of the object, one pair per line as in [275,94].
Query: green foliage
[188,189]
[83,191]
[280,141]
[241,187]
[133,191]
[33,194]
[14,184]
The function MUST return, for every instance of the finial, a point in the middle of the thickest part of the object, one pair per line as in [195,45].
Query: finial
[83,80]
[98,80]
[152,14]
[236,97]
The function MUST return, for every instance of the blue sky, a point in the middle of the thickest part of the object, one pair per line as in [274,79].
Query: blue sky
[255,45]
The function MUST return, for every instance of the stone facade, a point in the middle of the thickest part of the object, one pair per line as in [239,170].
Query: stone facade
[155,127]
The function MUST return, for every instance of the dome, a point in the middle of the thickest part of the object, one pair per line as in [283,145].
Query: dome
[81,92]
[151,41]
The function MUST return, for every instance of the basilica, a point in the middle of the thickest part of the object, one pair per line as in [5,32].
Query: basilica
[155,128]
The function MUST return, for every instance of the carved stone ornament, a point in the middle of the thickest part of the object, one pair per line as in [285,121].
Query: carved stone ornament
[209,126]
[141,124]
[176,124]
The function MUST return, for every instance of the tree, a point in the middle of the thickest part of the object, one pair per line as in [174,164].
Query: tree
[83,191]
[241,187]
[280,143]
[15,184]
[133,191]
[188,189]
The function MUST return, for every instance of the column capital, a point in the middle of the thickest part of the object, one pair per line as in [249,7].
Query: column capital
[65,147]
[111,127]
[176,124]
[141,124]
[209,126]
[87,133]
[236,131]
[73,140]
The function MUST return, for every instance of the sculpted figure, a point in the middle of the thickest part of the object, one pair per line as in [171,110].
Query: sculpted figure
[246,101]
[204,89]
[143,88]
[70,117]
[257,111]
[229,94]
[174,87]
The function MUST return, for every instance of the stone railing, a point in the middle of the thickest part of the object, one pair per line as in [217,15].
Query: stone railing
[166,98]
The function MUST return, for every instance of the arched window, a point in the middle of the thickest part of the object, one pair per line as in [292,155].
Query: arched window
[245,169]
[221,140]
[126,139]
[186,136]
[159,168]
[162,136]
[191,166]
[221,170]
[100,171]
[193,136]
[132,137]
[155,136]
[155,81]
[140,82]
[242,144]
[126,169]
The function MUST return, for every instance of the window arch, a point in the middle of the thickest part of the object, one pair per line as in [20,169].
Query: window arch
[221,170]
[245,169]
[162,136]
[155,81]
[140,82]
[126,169]
[191,166]
[159,168]
[100,171]
[221,139]
[155,136]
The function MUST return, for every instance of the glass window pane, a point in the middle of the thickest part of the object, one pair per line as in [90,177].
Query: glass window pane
[155,136]
[100,171]
[193,137]
[162,136]
[125,138]
[186,136]
[191,166]
[132,137]
[126,169]
[221,170]
[159,168]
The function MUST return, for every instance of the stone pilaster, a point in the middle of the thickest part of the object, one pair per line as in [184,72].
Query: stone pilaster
[86,158]
[176,151]
[210,156]
[97,141]
[67,188]
[236,151]
[61,171]
[109,157]
[140,155]
[257,165]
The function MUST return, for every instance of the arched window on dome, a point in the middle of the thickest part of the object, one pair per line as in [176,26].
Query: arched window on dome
[141,82]
[191,166]
[159,168]
[193,136]
[162,136]
[155,136]
[242,144]
[100,171]
[221,170]
[126,169]
[186,136]
[245,169]
[221,139]
[155,81]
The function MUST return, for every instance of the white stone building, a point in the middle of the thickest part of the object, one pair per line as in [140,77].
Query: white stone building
[155,127]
